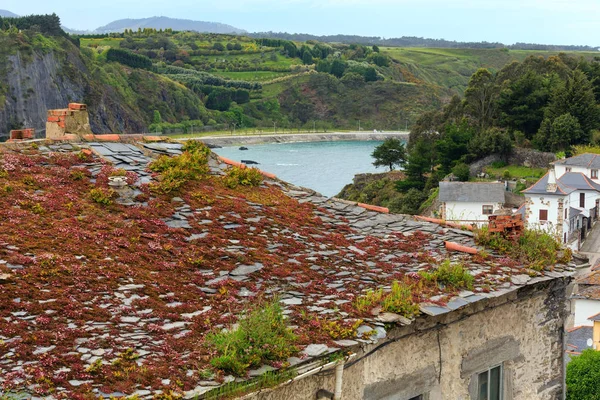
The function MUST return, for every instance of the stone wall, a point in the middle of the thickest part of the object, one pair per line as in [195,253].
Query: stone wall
[442,356]
[519,156]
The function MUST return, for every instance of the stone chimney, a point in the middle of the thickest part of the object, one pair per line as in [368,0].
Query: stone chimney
[551,186]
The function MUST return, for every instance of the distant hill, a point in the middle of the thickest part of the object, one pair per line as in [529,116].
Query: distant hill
[412,41]
[8,14]
[165,23]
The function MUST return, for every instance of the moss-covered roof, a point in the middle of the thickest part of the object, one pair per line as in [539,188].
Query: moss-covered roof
[118,296]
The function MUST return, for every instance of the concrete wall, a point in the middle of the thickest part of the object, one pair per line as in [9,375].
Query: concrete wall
[304,137]
[442,356]
[467,211]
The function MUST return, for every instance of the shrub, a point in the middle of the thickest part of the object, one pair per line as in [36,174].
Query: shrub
[535,249]
[102,196]
[506,174]
[452,275]
[242,176]
[175,171]
[261,337]
[399,300]
[583,375]
[461,171]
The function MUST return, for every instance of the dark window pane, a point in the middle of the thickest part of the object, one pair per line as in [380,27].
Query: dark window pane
[483,386]
[495,382]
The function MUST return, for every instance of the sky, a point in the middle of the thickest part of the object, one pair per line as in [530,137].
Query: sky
[572,22]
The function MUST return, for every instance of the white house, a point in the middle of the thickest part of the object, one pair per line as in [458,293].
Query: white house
[470,202]
[588,164]
[586,299]
[565,206]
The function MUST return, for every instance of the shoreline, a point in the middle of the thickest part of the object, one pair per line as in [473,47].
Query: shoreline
[299,137]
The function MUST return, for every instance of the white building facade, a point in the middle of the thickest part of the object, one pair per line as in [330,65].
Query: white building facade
[564,206]
[470,202]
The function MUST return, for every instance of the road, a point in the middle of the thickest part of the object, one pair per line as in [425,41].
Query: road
[591,246]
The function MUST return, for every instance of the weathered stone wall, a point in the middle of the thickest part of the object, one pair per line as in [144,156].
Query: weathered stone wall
[519,156]
[442,356]
[531,158]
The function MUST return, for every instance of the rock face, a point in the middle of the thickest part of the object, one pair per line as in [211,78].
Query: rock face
[35,85]
[37,80]
[40,81]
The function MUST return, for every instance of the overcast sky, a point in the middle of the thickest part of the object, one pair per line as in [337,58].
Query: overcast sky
[506,21]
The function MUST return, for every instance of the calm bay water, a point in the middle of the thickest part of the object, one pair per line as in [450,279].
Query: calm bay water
[323,166]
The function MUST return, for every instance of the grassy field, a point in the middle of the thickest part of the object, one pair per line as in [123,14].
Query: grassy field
[452,68]
[514,171]
[112,42]
[254,76]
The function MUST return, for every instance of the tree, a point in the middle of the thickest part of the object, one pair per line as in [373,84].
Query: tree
[490,141]
[156,118]
[420,162]
[390,153]
[376,48]
[558,134]
[337,68]
[522,103]
[453,145]
[370,74]
[307,58]
[480,96]
[218,46]
[577,98]
[583,376]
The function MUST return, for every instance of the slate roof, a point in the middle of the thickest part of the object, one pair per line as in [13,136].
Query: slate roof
[477,192]
[577,339]
[566,184]
[595,317]
[586,160]
[579,181]
[83,283]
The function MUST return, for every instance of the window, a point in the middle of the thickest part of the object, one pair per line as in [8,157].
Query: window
[568,169]
[594,174]
[543,215]
[487,210]
[489,384]
[582,200]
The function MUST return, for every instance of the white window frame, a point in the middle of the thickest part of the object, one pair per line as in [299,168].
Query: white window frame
[501,381]
[594,174]
[491,210]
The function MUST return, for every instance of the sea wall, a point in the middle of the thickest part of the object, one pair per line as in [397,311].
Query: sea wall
[303,137]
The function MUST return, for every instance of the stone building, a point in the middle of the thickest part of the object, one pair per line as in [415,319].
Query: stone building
[119,298]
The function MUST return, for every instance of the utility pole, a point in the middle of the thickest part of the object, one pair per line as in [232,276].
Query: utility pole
[314,128]
[274,127]
[359,125]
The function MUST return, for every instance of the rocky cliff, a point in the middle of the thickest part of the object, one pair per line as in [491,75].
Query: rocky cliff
[35,78]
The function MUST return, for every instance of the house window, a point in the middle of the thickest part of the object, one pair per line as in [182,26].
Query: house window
[568,169]
[489,384]
[582,200]
[594,174]
[543,215]
[566,213]
[487,210]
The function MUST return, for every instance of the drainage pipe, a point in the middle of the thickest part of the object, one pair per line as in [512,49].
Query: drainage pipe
[339,374]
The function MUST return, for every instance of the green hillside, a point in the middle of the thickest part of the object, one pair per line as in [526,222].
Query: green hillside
[149,80]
